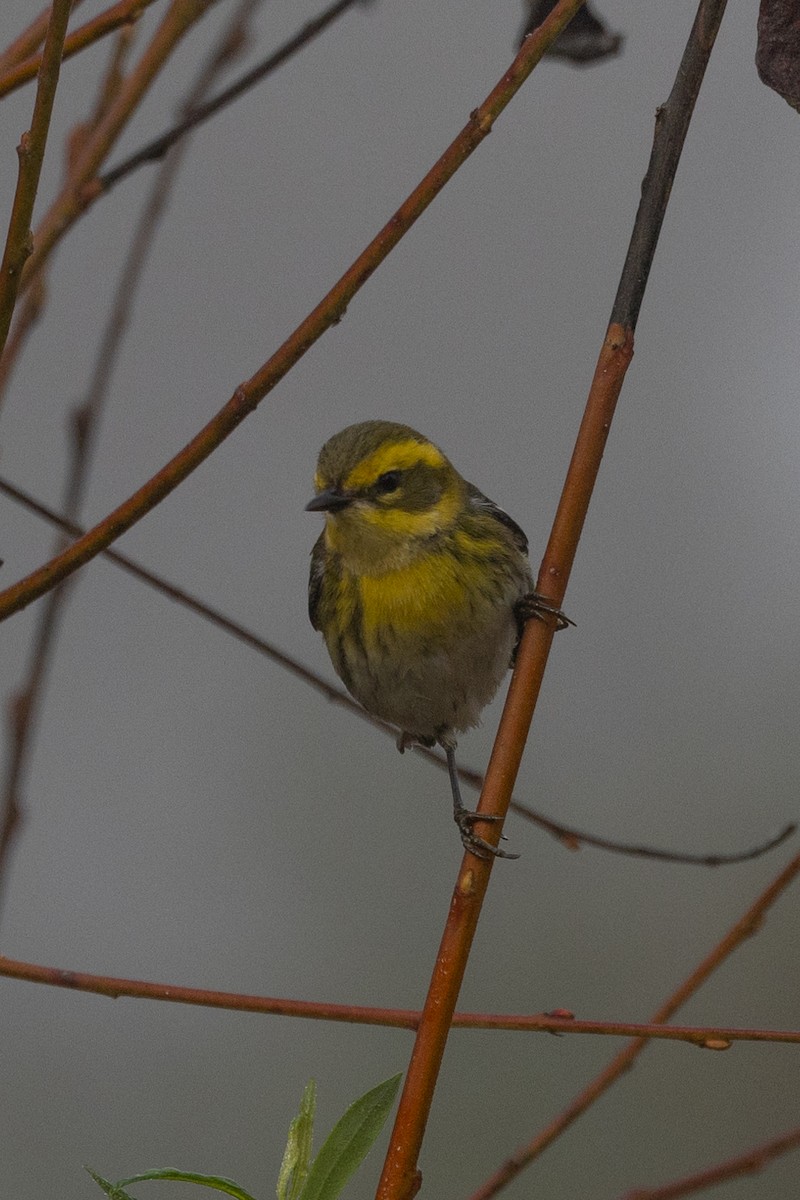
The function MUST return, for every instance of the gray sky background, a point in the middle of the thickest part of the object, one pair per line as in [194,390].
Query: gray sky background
[194,815]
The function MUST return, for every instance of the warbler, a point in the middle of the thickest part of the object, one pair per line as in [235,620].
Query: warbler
[420,586]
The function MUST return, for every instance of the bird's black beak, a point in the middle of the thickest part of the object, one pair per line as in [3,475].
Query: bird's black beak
[331,500]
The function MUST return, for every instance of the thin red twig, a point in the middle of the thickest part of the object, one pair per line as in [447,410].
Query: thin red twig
[81,185]
[90,152]
[704,1037]
[747,925]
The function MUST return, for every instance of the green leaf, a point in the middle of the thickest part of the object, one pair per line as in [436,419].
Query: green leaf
[349,1140]
[115,1190]
[297,1155]
[112,1190]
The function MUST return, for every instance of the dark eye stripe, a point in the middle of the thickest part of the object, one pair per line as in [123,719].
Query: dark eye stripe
[388,482]
[420,488]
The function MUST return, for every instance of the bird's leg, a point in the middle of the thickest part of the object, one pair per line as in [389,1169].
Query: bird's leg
[465,819]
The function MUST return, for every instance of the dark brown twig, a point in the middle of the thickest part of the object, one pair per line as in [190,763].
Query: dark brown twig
[672,124]
[30,152]
[571,837]
[159,146]
[567,833]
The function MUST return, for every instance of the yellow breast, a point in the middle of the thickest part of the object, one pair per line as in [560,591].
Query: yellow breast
[429,593]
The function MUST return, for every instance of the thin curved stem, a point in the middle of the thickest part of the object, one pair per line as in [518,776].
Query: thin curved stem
[569,836]
[203,112]
[81,185]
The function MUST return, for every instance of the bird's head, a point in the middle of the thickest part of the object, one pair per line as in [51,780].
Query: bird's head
[385,490]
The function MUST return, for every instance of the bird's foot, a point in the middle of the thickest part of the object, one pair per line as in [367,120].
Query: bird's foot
[466,820]
[536,607]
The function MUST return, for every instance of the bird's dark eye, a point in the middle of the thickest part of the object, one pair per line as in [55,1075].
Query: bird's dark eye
[388,482]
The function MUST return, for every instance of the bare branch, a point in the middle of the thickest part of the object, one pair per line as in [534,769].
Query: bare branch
[569,836]
[26,43]
[732,1168]
[15,72]
[31,156]
[748,924]
[27,703]
[330,310]
[155,149]
[400,1179]
[81,185]
[704,1037]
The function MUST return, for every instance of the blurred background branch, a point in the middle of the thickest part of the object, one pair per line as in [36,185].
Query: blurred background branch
[18,71]
[84,425]
[30,153]
[747,925]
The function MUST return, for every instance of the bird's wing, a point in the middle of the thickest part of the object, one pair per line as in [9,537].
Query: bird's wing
[480,503]
[315,579]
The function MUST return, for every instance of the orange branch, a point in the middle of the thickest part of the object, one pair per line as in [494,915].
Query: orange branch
[29,39]
[401,1179]
[125,12]
[78,191]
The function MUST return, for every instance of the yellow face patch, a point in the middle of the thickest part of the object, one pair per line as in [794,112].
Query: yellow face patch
[373,541]
[398,522]
[397,456]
